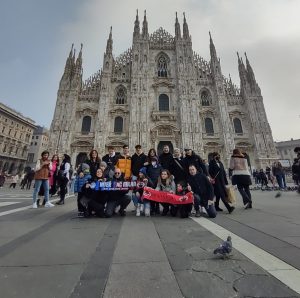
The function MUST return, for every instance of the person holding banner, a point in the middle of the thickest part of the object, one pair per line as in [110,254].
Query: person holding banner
[142,181]
[184,209]
[166,184]
[153,172]
[203,191]
[117,197]
[98,198]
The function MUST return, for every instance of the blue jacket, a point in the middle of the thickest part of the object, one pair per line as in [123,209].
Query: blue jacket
[80,181]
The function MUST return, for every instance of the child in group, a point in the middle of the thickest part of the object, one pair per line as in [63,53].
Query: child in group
[166,184]
[184,209]
[81,179]
[142,181]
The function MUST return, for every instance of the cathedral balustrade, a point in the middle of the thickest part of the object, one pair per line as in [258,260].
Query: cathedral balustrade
[210,135]
[164,115]
[84,135]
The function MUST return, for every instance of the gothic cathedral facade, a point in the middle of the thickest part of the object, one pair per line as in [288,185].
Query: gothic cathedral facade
[160,92]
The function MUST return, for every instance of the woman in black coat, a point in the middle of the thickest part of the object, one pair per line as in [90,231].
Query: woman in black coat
[219,180]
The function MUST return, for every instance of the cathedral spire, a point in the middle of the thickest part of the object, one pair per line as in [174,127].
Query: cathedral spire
[250,72]
[186,33]
[213,52]
[109,44]
[79,60]
[136,32]
[69,64]
[145,27]
[177,28]
[242,72]
[71,51]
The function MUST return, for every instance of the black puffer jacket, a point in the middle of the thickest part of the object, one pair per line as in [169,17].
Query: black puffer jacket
[201,186]
[195,160]
[165,160]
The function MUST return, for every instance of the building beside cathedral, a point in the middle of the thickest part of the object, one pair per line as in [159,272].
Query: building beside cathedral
[160,92]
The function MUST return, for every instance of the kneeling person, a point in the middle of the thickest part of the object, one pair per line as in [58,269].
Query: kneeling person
[117,198]
[203,191]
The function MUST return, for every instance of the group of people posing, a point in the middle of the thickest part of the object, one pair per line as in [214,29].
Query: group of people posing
[172,173]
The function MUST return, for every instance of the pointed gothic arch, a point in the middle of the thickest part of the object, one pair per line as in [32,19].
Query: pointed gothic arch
[205,97]
[162,64]
[121,95]
[209,126]
[118,127]
[86,124]
[238,129]
[163,102]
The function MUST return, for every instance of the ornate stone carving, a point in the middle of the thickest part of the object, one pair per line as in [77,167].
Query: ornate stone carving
[165,131]
[161,39]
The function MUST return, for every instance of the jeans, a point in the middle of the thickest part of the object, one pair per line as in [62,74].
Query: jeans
[136,198]
[245,193]
[210,209]
[37,186]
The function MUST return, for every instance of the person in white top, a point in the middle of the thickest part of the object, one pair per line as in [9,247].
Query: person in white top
[63,178]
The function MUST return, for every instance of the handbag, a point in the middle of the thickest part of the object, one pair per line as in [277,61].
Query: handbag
[231,197]
[213,180]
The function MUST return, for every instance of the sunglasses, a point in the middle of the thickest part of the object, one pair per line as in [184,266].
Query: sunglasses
[117,173]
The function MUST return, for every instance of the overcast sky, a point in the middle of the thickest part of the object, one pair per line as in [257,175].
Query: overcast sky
[36,36]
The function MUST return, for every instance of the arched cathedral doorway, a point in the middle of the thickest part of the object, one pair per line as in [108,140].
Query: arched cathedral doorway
[81,157]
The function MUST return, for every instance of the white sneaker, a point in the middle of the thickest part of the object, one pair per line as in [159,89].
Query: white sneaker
[138,212]
[49,205]
[34,205]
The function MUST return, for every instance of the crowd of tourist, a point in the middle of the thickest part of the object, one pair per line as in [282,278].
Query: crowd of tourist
[178,173]
[169,173]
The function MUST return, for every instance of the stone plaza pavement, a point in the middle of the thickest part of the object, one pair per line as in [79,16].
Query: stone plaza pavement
[52,253]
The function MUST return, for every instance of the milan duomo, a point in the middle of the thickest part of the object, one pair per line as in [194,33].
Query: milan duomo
[160,92]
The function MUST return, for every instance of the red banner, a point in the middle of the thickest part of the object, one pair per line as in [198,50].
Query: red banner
[165,197]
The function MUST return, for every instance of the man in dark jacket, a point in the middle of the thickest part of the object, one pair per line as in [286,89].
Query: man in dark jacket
[117,197]
[111,159]
[166,158]
[137,161]
[193,159]
[203,191]
[218,175]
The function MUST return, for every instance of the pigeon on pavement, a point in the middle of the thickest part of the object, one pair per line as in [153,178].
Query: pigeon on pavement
[225,248]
